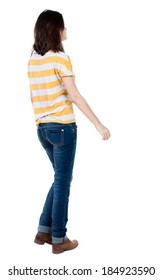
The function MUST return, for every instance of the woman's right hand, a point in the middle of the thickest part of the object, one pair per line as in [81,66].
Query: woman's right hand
[105,133]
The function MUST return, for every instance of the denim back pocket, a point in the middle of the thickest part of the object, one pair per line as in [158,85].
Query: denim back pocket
[55,136]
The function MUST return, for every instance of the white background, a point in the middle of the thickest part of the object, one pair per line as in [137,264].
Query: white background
[115,211]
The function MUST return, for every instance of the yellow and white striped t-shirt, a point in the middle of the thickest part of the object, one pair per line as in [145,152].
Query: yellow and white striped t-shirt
[50,99]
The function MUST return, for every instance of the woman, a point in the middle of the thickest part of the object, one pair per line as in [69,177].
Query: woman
[53,91]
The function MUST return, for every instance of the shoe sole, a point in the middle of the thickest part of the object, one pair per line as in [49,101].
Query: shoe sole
[41,242]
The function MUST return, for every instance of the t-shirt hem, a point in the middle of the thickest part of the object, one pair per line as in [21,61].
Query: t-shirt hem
[52,121]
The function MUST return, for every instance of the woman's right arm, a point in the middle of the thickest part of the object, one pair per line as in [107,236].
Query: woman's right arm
[83,106]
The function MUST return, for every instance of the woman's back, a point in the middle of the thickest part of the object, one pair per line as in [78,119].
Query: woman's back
[50,99]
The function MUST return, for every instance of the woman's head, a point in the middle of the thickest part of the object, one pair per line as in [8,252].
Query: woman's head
[48,32]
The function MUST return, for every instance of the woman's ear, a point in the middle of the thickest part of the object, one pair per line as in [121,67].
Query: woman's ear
[64,34]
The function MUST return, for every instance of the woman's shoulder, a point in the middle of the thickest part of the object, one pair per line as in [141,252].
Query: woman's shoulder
[62,55]
[58,54]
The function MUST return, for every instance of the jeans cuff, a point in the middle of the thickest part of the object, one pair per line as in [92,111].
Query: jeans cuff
[58,240]
[44,229]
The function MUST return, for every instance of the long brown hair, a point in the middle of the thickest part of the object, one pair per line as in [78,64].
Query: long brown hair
[47,32]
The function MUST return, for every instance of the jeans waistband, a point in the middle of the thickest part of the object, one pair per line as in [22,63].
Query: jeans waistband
[57,125]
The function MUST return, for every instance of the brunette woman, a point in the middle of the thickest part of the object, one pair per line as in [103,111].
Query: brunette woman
[53,92]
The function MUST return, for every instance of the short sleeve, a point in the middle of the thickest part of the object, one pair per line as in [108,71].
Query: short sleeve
[64,66]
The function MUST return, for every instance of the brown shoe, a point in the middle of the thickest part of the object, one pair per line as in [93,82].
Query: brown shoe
[65,246]
[41,238]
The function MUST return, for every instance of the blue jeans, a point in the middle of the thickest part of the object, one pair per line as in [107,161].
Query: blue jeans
[59,142]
